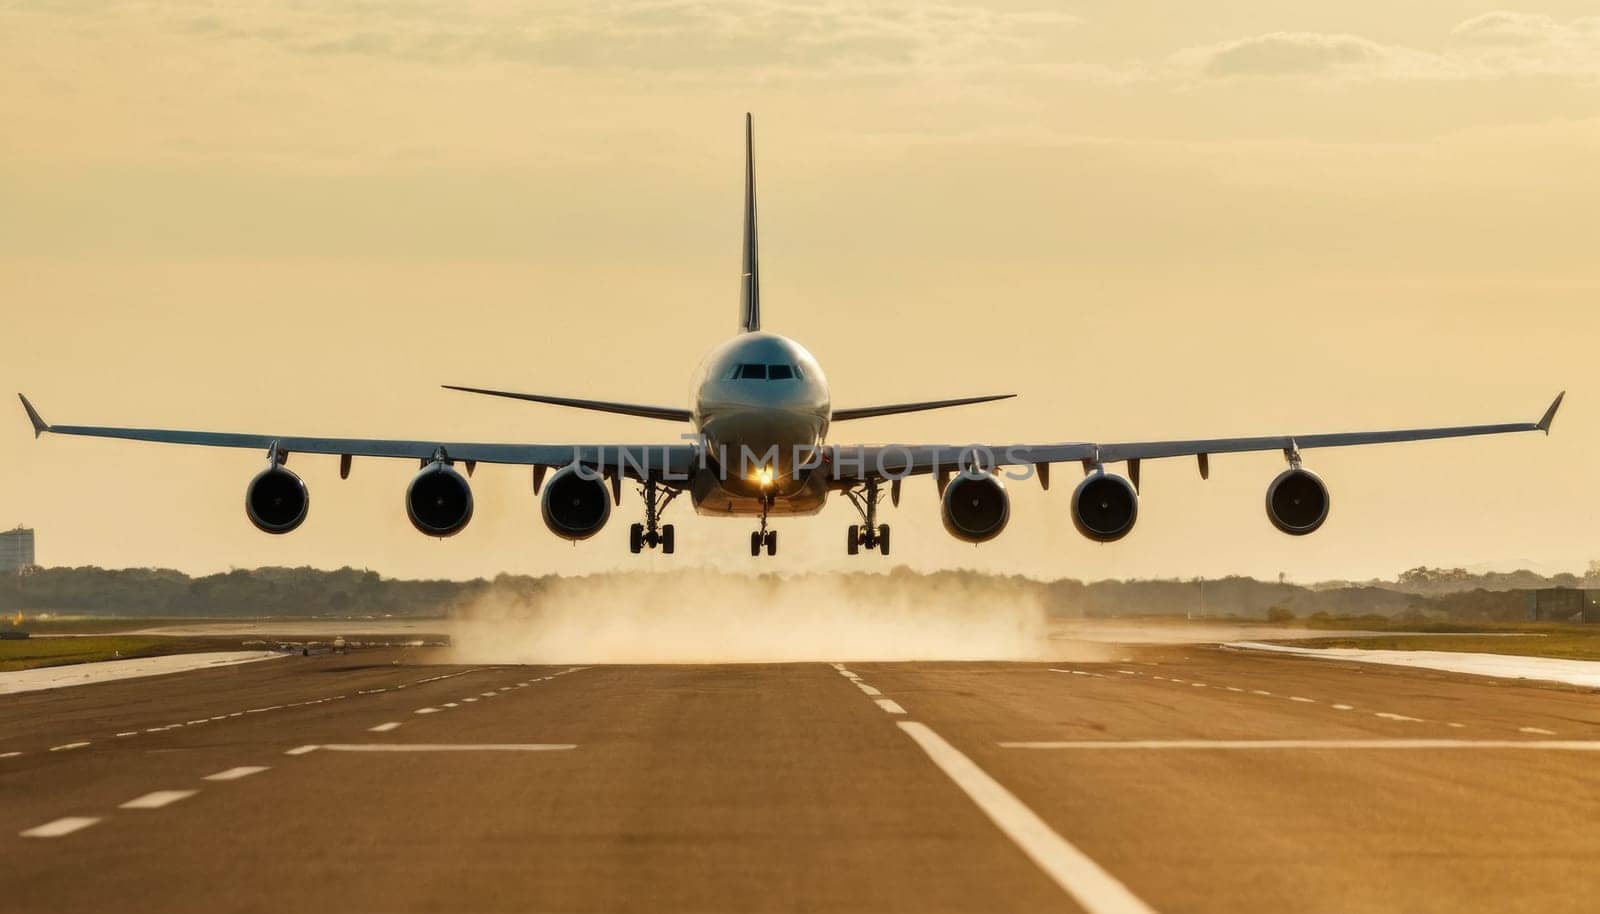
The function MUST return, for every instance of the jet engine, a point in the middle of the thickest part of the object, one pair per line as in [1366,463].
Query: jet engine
[439,501]
[1104,507]
[1297,502]
[975,508]
[276,500]
[575,506]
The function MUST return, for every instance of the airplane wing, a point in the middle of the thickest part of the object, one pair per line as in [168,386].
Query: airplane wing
[600,406]
[890,409]
[859,464]
[630,460]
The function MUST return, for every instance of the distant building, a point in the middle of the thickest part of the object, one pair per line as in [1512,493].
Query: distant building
[1564,604]
[16,550]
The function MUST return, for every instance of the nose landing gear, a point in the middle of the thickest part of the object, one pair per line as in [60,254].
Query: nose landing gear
[764,537]
[652,533]
[869,533]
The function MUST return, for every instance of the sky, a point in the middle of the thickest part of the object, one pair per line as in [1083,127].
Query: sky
[1147,220]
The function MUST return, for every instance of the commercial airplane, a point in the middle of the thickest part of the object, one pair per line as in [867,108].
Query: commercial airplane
[761,416]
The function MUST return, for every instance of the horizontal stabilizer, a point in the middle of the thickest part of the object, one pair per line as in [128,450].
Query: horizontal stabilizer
[599,406]
[890,409]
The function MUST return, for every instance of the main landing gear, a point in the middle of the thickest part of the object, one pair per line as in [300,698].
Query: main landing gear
[869,533]
[652,533]
[764,537]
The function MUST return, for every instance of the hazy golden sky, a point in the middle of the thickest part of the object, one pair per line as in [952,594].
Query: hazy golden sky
[1149,220]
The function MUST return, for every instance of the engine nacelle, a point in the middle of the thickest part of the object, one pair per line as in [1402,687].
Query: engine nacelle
[1297,502]
[276,500]
[439,501]
[975,508]
[575,506]
[1105,507]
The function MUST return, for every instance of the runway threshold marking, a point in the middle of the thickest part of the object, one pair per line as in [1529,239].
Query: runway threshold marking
[59,827]
[234,774]
[448,747]
[1558,745]
[1094,889]
[156,799]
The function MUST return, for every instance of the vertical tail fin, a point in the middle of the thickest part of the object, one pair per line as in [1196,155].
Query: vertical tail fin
[750,280]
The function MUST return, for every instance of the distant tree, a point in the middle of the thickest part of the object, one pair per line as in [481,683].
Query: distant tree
[1280,614]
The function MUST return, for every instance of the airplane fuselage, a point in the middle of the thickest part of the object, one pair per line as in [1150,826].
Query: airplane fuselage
[761,408]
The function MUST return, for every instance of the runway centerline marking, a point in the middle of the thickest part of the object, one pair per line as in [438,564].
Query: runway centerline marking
[301,750]
[9,754]
[1094,889]
[890,705]
[1570,745]
[428,710]
[1386,715]
[234,774]
[59,827]
[156,799]
[64,747]
[384,728]
[448,747]
[870,690]
[1539,730]
[1301,698]
[1343,708]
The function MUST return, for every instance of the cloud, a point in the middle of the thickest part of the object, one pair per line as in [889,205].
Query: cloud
[1290,53]
[1488,46]
[686,35]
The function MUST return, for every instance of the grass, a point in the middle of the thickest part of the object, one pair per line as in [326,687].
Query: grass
[1567,643]
[39,652]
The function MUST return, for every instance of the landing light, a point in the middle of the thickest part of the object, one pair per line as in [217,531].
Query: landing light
[764,476]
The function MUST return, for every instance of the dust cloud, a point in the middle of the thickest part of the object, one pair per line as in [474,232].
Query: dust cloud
[709,617]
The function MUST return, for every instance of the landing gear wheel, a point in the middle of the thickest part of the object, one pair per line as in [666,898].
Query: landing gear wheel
[853,543]
[772,542]
[668,539]
[755,543]
[883,539]
[635,538]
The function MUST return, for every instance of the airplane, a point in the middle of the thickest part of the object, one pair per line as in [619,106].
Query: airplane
[762,398]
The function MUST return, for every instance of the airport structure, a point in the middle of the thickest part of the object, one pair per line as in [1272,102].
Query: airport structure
[1564,604]
[16,550]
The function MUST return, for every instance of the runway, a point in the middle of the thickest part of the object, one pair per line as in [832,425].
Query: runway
[1172,779]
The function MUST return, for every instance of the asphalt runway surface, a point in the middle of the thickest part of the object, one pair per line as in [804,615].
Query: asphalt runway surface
[1190,779]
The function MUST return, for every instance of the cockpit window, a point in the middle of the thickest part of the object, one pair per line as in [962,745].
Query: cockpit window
[750,371]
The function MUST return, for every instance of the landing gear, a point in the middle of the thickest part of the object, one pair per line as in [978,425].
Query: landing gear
[764,537]
[652,533]
[869,532]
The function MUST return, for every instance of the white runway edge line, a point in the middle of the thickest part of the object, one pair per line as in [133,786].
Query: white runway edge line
[158,798]
[1094,889]
[1559,745]
[60,827]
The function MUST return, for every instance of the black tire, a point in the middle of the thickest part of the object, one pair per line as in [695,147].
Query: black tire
[635,538]
[853,544]
[772,542]
[668,539]
[883,539]
[755,543]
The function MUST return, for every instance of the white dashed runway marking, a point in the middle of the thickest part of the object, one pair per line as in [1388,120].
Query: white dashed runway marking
[69,746]
[234,774]
[891,706]
[301,750]
[384,728]
[448,747]
[59,827]
[158,798]
[428,710]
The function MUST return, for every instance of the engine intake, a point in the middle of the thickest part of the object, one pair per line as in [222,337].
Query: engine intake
[1105,507]
[975,508]
[276,500]
[1297,502]
[439,501]
[575,506]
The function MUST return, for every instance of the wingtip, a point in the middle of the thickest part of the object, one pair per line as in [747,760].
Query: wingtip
[39,425]
[1550,414]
